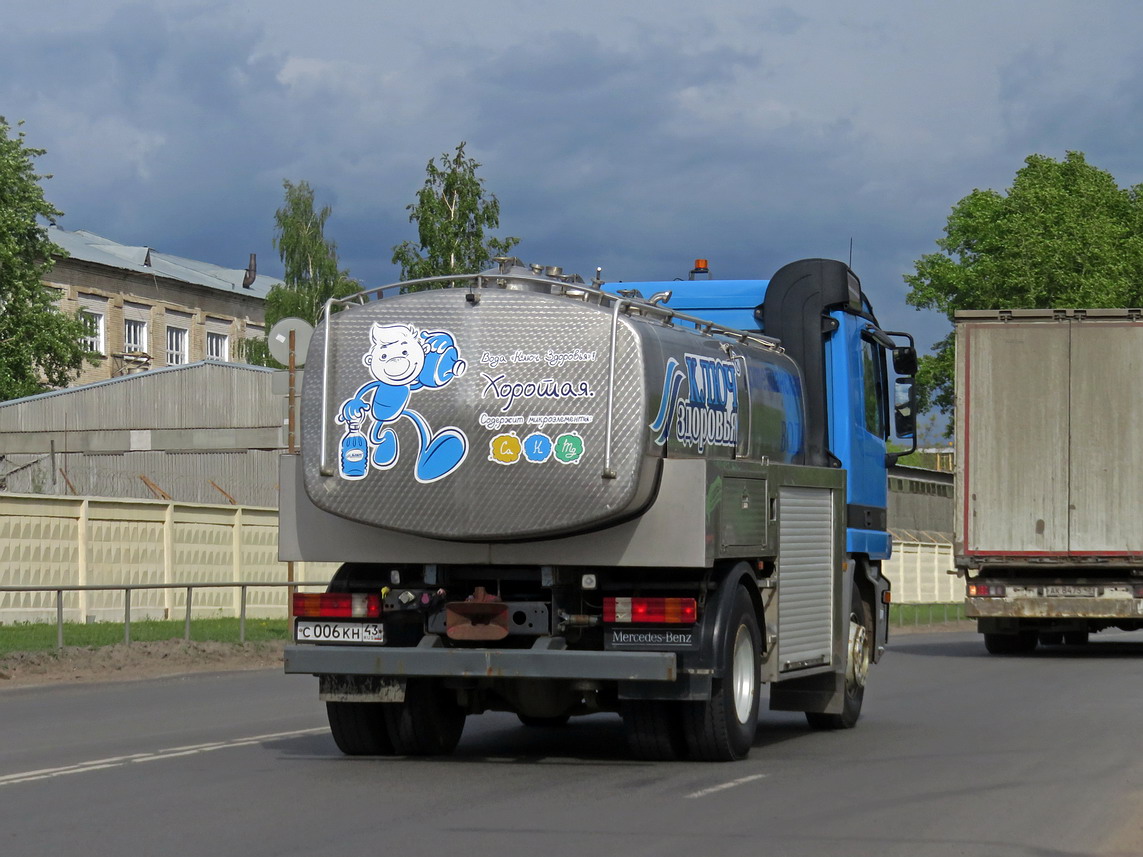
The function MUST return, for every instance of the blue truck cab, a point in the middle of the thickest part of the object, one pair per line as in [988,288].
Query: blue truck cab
[817,309]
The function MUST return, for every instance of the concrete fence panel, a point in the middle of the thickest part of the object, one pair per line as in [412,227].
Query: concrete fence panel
[919,574]
[73,541]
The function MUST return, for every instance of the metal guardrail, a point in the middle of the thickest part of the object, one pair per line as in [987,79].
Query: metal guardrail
[917,614]
[128,588]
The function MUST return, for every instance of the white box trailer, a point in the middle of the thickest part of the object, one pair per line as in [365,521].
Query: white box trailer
[1049,483]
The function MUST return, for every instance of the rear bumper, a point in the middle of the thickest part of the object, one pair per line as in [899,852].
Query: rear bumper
[434,660]
[1054,608]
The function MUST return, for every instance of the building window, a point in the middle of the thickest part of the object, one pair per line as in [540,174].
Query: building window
[217,346]
[176,346]
[134,336]
[247,347]
[93,330]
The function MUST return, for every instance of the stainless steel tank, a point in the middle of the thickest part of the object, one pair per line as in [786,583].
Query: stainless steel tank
[509,413]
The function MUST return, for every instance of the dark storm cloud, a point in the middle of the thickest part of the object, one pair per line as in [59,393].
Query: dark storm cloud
[633,136]
[1106,122]
[628,141]
[157,128]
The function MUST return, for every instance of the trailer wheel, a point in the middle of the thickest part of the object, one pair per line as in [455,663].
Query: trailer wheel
[1020,643]
[359,728]
[1077,638]
[654,729]
[722,728]
[428,722]
[544,722]
[859,655]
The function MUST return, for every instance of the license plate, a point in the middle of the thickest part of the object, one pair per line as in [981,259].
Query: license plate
[340,632]
[1069,591]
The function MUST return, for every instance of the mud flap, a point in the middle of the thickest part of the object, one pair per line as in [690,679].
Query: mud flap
[823,693]
[878,607]
[360,688]
[687,687]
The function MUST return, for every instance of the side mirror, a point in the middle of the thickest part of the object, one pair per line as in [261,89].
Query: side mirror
[904,395]
[905,360]
[904,418]
[905,411]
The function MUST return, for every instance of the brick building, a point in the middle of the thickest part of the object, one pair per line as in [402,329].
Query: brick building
[145,309]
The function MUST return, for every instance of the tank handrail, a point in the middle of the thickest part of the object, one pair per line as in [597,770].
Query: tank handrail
[608,472]
[572,290]
[323,465]
[745,414]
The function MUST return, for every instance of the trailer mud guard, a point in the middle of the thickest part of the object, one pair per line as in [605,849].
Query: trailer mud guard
[823,693]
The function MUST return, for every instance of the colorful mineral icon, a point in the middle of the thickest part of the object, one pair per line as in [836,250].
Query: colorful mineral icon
[569,448]
[504,448]
[537,448]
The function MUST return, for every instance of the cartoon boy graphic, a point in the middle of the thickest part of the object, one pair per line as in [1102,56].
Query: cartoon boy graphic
[402,360]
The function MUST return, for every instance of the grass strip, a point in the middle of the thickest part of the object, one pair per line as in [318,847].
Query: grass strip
[37,636]
[925,614]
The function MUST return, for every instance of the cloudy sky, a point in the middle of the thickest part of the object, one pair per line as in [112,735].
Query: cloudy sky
[629,135]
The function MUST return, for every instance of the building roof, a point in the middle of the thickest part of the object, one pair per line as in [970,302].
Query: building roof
[202,395]
[194,433]
[89,247]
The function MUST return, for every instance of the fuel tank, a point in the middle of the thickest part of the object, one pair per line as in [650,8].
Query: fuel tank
[517,410]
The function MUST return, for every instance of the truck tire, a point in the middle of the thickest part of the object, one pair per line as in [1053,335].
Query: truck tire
[859,655]
[544,722]
[1077,638]
[654,729]
[359,728]
[428,723]
[1021,643]
[722,728]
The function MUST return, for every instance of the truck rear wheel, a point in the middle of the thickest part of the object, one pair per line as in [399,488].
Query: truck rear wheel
[359,728]
[859,655]
[428,722]
[554,722]
[722,728]
[1020,643]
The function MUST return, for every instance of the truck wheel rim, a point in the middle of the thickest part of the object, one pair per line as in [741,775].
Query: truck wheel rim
[858,669]
[743,673]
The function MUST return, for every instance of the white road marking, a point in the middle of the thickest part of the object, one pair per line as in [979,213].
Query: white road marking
[172,753]
[724,786]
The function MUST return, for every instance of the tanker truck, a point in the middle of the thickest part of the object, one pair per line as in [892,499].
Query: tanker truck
[554,499]
[1049,480]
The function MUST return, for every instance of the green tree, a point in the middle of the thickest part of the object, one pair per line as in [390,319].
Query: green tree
[1064,235]
[40,346]
[451,213]
[312,272]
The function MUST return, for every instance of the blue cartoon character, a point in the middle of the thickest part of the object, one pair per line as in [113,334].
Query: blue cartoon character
[402,360]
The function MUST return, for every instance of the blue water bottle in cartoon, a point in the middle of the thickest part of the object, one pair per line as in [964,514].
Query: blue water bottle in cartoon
[354,456]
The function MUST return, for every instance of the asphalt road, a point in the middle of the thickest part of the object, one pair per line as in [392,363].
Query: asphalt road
[957,753]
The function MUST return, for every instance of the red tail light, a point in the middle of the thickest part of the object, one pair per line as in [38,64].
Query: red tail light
[682,611]
[985,590]
[337,605]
